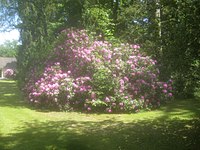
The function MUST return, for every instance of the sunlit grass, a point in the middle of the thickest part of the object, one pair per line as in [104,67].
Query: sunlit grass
[174,126]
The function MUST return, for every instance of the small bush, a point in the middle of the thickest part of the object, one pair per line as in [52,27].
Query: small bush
[9,73]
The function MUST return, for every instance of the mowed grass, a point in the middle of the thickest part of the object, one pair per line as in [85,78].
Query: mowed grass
[175,126]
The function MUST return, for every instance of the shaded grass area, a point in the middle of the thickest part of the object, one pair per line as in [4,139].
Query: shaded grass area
[108,134]
[10,95]
[175,126]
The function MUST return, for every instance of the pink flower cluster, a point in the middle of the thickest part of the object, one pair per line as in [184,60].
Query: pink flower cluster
[9,73]
[80,85]
[52,85]
[98,76]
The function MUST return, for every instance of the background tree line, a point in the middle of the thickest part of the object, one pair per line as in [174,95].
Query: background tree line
[9,49]
[168,30]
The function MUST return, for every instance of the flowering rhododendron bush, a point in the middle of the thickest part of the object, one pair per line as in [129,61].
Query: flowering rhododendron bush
[86,74]
[9,73]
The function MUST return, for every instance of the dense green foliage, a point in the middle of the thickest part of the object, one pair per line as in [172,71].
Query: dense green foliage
[168,30]
[180,44]
[9,49]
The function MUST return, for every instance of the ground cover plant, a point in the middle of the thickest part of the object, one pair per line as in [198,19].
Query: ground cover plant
[171,127]
[86,74]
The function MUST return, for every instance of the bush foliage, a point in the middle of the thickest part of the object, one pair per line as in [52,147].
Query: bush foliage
[9,73]
[90,75]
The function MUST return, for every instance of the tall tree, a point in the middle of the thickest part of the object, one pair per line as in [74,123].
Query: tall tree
[180,37]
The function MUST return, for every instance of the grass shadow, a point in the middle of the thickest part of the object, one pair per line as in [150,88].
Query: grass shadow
[108,135]
[187,107]
[10,95]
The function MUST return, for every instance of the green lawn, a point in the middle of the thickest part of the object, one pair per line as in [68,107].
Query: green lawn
[175,126]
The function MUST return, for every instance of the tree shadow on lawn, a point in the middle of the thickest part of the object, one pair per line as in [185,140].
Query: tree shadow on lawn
[7,87]
[10,96]
[184,108]
[156,134]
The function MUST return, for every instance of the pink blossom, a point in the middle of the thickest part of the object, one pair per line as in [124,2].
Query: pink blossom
[170,94]
[165,85]
[164,91]
[133,74]
[89,109]
[113,104]
[109,110]
[170,88]
[121,104]
[121,81]
[136,92]
[93,95]
[117,61]
[107,99]
[136,46]
[126,97]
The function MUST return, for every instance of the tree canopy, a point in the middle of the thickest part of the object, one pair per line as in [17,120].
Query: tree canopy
[168,30]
